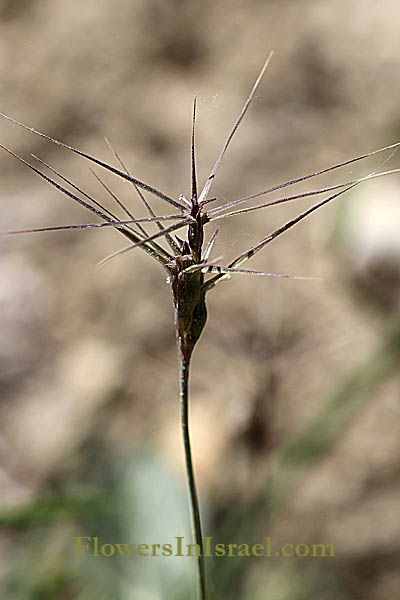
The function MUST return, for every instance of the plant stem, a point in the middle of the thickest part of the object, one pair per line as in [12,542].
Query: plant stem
[191,482]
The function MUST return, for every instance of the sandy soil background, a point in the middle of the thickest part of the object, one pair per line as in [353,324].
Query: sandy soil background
[88,370]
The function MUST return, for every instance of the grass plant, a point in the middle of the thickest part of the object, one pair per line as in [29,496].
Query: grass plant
[188,260]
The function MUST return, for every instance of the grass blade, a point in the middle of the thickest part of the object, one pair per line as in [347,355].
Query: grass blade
[212,268]
[303,195]
[139,183]
[168,238]
[149,239]
[209,181]
[306,177]
[265,241]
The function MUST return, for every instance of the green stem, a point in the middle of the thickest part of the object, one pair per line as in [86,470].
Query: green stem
[191,482]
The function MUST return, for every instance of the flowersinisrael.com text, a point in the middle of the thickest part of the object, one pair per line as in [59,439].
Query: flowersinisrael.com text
[93,546]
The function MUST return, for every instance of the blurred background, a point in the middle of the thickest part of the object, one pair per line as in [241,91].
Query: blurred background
[295,384]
